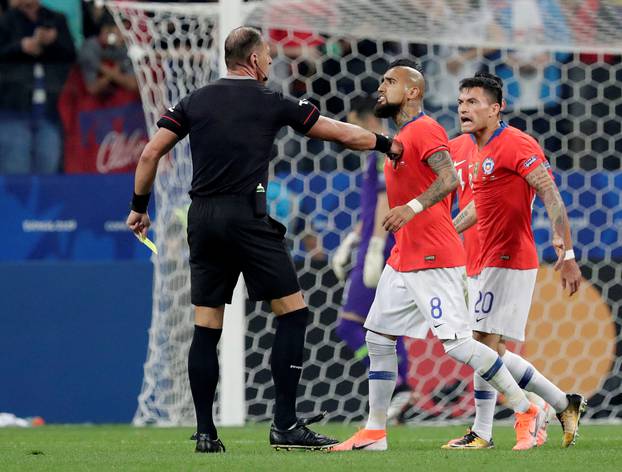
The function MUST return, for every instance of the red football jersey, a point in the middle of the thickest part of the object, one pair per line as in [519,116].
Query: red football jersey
[463,151]
[503,198]
[429,240]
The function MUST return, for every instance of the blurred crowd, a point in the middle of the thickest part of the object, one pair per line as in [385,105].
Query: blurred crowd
[57,55]
[566,100]
[549,94]
[54,56]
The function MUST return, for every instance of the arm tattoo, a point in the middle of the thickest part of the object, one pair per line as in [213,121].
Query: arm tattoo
[546,189]
[466,218]
[446,181]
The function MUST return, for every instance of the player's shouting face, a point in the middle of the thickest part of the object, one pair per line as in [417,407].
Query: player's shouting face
[397,86]
[477,110]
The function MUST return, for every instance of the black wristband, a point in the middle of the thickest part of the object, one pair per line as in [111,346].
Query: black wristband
[383,143]
[140,202]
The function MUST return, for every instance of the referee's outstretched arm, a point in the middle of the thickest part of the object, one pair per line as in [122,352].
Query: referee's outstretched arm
[353,136]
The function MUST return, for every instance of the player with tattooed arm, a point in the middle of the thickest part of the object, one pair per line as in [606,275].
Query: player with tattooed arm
[508,169]
[422,285]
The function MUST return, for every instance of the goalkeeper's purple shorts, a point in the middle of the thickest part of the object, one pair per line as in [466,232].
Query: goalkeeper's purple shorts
[357,298]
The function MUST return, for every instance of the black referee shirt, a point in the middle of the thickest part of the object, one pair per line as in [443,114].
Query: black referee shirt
[232,125]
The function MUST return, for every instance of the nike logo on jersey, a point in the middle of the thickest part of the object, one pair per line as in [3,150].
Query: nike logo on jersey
[438,325]
[477,320]
[303,101]
[456,164]
[171,109]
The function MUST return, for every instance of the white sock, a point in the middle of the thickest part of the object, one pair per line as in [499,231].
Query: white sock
[485,403]
[530,379]
[489,365]
[536,400]
[382,376]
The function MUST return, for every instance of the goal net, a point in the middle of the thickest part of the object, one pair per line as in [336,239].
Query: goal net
[560,62]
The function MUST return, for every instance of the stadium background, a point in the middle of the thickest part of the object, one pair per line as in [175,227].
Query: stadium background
[69,267]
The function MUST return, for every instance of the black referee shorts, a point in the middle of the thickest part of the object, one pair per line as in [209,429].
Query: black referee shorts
[225,239]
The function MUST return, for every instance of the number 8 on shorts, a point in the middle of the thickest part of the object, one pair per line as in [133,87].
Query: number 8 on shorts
[435,305]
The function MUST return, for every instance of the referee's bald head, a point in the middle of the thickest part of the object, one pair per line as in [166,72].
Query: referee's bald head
[240,44]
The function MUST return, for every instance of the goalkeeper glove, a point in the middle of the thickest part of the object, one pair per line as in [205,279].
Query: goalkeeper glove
[374,261]
[342,255]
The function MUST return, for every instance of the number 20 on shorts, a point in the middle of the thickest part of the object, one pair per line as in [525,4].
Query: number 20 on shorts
[484,302]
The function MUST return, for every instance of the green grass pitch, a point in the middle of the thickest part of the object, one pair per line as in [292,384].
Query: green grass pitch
[123,448]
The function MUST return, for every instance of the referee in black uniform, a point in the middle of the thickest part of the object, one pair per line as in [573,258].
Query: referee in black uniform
[232,124]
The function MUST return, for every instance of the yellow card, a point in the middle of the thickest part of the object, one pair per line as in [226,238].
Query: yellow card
[147,242]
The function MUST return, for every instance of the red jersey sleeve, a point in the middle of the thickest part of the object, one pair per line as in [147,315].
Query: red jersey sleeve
[528,156]
[430,138]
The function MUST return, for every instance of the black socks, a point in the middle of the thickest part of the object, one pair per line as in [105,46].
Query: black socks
[286,364]
[203,373]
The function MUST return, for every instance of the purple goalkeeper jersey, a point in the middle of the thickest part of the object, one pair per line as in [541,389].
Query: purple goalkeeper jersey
[373,184]
[357,297]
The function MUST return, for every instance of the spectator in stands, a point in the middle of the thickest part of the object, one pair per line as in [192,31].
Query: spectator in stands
[72,9]
[36,51]
[104,61]
[92,14]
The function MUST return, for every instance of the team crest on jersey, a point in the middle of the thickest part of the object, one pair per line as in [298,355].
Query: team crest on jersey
[488,166]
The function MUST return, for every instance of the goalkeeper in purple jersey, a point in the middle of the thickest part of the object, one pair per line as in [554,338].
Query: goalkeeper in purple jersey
[373,245]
